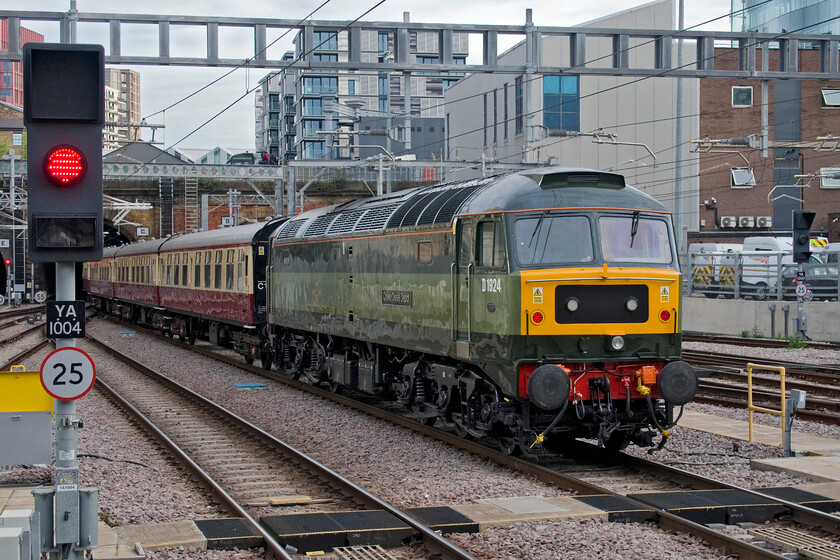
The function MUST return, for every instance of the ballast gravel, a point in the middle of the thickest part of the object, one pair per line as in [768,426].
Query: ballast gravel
[139,484]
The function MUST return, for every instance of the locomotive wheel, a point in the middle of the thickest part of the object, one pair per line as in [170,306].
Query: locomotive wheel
[191,337]
[509,446]
[265,361]
[617,442]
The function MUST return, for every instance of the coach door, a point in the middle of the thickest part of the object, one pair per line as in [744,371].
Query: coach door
[462,269]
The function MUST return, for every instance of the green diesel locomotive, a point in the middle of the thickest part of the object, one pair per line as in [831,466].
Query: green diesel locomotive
[530,307]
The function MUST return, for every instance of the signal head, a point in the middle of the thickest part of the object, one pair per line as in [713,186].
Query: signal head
[65,166]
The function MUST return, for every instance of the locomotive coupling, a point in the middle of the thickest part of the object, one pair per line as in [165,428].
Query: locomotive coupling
[677,383]
[549,387]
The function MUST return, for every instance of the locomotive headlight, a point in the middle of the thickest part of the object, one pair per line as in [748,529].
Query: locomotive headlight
[617,343]
[572,304]
[632,304]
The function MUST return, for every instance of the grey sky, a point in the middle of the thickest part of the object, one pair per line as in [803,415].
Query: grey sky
[162,86]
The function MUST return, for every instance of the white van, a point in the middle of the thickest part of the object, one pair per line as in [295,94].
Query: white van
[831,254]
[712,267]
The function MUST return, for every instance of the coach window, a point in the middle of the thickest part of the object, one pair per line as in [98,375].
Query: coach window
[239,278]
[176,272]
[197,270]
[185,259]
[491,245]
[217,276]
[229,270]
[206,269]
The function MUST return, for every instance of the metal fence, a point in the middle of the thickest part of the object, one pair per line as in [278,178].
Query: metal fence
[763,275]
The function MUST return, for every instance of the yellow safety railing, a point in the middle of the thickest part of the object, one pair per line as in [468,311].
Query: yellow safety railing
[752,408]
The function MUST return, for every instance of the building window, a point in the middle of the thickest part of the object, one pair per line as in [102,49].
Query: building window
[383,106]
[274,102]
[383,85]
[561,102]
[313,107]
[351,87]
[742,178]
[382,42]
[320,85]
[742,96]
[17,139]
[518,101]
[831,97]
[325,40]
[310,126]
[427,60]
[274,119]
[313,150]
[830,178]
[322,57]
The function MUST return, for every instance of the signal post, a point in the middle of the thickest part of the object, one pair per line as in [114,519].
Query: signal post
[802,220]
[64,112]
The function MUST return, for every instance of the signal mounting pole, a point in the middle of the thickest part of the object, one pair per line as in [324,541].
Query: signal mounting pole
[64,112]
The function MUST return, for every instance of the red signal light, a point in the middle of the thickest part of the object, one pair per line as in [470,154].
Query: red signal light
[65,166]
[8,262]
[537,317]
[664,315]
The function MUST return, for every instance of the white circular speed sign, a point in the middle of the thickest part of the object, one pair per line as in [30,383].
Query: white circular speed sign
[801,290]
[68,373]
[40,296]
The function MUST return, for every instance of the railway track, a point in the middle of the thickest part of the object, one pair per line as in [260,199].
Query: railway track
[228,454]
[756,342]
[554,475]
[726,384]
[21,312]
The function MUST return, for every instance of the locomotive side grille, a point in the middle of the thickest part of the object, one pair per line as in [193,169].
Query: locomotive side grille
[290,229]
[600,304]
[320,225]
[376,218]
[346,222]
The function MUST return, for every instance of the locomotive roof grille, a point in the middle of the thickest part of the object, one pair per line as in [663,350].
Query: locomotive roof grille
[290,228]
[320,225]
[576,178]
[346,222]
[376,218]
[451,204]
[410,218]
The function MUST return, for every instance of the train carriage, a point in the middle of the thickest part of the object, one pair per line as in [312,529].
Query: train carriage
[542,301]
[203,284]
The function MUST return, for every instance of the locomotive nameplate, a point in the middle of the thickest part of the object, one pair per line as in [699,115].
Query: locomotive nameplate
[397,297]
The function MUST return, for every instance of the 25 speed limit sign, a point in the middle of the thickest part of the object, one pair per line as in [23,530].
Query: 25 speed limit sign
[67,373]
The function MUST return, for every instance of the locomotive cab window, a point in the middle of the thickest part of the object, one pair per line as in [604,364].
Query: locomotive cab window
[546,239]
[633,238]
[491,245]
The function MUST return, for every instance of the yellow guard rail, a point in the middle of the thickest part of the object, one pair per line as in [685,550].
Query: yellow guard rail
[752,408]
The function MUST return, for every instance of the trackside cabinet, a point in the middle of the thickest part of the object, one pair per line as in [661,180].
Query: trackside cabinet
[25,418]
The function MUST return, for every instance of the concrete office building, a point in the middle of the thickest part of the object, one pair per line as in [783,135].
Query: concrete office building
[485,114]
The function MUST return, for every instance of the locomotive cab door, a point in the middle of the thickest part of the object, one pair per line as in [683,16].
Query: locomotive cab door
[462,290]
